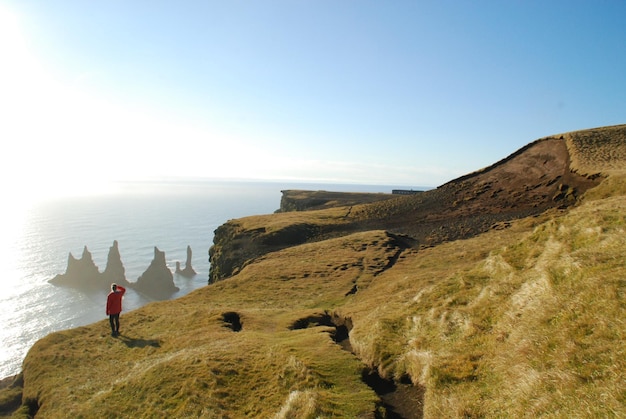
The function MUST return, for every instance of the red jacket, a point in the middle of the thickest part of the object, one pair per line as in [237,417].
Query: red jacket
[114,300]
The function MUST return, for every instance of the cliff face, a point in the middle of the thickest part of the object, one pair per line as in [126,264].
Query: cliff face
[530,181]
[235,244]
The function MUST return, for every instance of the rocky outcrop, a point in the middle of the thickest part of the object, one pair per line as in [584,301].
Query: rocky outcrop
[80,273]
[114,271]
[83,273]
[234,245]
[157,281]
[188,271]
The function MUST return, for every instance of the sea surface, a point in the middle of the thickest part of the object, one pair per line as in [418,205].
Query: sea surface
[37,238]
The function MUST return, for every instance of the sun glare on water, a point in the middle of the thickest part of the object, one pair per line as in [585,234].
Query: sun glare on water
[52,145]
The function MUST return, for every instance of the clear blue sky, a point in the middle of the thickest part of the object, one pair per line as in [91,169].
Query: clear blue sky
[411,93]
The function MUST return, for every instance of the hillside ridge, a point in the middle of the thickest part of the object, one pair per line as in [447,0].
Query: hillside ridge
[530,181]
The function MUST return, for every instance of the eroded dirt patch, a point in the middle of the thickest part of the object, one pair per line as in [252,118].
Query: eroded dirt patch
[232,320]
[400,399]
[340,334]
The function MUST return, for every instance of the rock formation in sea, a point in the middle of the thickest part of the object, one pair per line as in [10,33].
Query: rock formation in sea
[188,271]
[114,271]
[157,281]
[83,273]
[80,273]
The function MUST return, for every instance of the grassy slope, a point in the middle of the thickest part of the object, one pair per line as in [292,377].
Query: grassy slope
[512,324]
[525,321]
[178,357]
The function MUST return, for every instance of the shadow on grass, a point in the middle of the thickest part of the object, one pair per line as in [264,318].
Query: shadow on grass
[139,343]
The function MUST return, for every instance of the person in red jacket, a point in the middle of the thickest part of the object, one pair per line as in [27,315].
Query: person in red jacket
[114,307]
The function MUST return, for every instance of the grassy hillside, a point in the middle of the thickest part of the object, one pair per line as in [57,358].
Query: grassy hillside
[528,182]
[523,320]
[598,150]
[520,323]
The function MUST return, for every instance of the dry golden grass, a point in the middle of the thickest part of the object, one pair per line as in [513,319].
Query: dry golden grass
[276,222]
[599,150]
[525,321]
[178,359]
[520,323]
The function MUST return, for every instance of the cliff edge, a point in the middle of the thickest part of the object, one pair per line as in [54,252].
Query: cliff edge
[302,200]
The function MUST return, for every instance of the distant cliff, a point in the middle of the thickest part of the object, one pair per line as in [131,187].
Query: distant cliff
[302,200]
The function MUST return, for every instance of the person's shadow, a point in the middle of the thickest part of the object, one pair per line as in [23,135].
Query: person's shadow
[139,343]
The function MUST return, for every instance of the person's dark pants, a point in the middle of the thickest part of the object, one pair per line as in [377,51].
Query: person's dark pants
[114,320]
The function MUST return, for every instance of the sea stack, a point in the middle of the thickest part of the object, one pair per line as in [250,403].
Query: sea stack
[188,271]
[114,271]
[80,273]
[157,281]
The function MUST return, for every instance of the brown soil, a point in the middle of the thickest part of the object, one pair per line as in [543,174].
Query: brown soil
[534,179]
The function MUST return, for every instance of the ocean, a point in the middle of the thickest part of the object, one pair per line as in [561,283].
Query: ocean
[169,214]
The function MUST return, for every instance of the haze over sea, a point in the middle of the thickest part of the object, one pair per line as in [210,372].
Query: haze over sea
[170,215]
